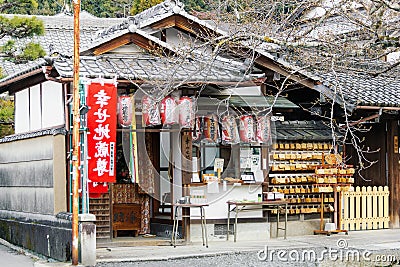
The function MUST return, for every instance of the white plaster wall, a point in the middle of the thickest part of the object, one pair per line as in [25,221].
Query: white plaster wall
[35,108]
[22,111]
[52,104]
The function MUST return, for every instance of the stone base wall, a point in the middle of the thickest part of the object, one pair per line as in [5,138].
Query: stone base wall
[47,235]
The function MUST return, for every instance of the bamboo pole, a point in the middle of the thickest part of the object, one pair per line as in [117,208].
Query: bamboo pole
[75,136]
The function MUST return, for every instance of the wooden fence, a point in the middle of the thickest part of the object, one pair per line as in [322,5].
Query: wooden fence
[365,208]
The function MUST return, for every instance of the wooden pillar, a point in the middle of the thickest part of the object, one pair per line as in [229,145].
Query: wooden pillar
[186,148]
[393,173]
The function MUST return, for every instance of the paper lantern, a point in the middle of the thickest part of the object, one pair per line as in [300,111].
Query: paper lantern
[210,129]
[169,111]
[229,133]
[246,129]
[263,129]
[125,110]
[186,112]
[150,112]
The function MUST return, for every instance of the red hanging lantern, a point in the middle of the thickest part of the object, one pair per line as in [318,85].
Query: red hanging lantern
[169,111]
[246,129]
[211,128]
[263,129]
[186,112]
[229,134]
[150,112]
[125,110]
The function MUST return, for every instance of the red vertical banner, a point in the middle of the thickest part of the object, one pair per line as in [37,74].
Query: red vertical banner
[102,124]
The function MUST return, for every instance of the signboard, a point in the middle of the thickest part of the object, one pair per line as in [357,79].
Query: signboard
[102,123]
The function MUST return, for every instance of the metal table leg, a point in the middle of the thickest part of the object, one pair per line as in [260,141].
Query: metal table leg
[277,222]
[285,219]
[229,213]
[235,230]
[175,227]
[202,224]
[205,226]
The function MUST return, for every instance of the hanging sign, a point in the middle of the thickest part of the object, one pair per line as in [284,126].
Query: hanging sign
[186,112]
[169,111]
[125,110]
[263,129]
[230,133]
[150,112]
[211,129]
[246,129]
[102,124]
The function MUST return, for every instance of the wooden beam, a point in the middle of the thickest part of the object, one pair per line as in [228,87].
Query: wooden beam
[164,24]
[265,62]
[24,81]
[393,174]
[113,44]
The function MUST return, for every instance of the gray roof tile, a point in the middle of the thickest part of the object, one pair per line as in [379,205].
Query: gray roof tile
[363,89]
[148,68]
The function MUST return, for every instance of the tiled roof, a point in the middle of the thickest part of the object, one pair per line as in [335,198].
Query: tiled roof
[148,17]
[301,130]
[151,68]
[365,90]
[58,38]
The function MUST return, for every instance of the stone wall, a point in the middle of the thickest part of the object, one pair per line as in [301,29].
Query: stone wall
[33,172]
[47,235]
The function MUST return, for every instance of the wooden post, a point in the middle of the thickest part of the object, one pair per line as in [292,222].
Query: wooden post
[345,218]
[186,148]
[357,208]
[394,175]
[76,162]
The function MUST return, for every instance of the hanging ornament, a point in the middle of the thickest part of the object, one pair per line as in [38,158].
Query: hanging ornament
[211,129]
[197,129]
[186,112]
[230,133]
[263,129]
[169,111]
[246,129]
[150,112]
[125,110]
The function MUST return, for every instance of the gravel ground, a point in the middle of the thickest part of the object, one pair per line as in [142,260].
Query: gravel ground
[346,257]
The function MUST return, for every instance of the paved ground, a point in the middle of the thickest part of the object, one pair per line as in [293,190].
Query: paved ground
[361,248]
[12,258]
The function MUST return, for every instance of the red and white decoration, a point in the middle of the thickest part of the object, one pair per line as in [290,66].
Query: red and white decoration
[186,112]
[246,129]
[125,110]
[169,111]
[102,123]
[230,133]
[150,112]
[263,129]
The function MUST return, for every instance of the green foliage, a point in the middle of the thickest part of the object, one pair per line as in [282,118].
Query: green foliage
[18,6]
[140,5]
[6,117]
[196,5]
[6,110]
[32,51]
[20,27]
